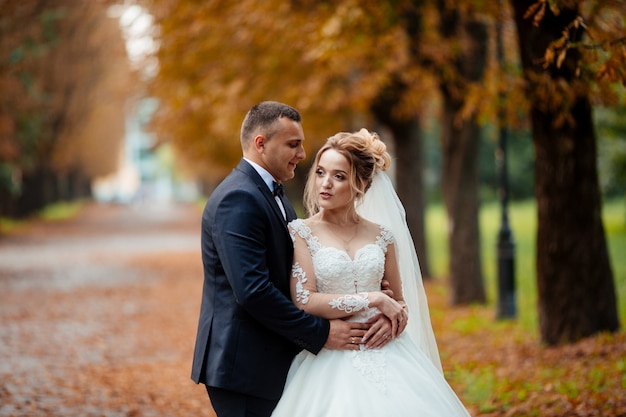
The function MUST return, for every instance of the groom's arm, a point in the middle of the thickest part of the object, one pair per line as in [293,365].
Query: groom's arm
[240,236]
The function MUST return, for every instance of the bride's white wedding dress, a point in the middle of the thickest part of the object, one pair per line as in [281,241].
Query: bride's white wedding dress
[397,380]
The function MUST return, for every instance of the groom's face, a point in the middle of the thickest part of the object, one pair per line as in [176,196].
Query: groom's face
[282,152]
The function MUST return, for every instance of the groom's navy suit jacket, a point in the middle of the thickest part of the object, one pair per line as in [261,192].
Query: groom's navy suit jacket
[249,329]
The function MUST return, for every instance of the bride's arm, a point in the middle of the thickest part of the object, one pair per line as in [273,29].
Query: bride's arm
[382,326]
[392,274]
[331,306]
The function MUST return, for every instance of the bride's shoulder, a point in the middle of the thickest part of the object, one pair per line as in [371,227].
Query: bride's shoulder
[300,227]
[295,223]
[309,223]
[382,233]
[375,228]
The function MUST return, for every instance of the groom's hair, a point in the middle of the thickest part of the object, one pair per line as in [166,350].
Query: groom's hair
[262,118]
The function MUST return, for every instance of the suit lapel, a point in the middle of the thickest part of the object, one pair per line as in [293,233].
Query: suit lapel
[289,210]
[247,169]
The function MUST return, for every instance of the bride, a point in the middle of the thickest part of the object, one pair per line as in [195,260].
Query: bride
[356,237]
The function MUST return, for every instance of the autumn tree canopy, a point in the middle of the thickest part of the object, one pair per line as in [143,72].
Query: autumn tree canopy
[335,60]
[217,59]
[65,80]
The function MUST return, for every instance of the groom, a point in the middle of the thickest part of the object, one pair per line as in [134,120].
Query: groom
[249,329]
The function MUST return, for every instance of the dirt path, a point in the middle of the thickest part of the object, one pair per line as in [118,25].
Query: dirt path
[99,315]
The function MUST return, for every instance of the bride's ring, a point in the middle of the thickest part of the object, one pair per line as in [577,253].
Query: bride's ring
[352,340]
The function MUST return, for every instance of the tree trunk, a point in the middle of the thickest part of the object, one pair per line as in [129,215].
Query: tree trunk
[409,182]
[460,141]
[79,186]
[409,168]
[38,190]
[574,277]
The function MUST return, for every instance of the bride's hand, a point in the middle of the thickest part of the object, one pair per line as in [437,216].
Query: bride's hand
[379,333]
[391,309]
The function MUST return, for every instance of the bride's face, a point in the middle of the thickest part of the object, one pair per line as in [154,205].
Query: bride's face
[332,181]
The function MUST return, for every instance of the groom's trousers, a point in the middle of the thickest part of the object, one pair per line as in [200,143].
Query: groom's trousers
[234,404]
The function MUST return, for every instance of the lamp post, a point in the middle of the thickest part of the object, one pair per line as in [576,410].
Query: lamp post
[505,246]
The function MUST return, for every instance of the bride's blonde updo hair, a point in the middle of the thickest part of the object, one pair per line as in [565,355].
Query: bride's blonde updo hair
[365,153]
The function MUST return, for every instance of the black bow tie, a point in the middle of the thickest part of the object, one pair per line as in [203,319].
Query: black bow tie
[279,189]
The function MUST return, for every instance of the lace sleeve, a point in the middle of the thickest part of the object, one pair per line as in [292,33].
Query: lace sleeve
[298,274]
[351,303]
[301,229]
[384,238]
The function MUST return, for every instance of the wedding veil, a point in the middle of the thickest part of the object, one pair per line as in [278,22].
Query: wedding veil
[381,205]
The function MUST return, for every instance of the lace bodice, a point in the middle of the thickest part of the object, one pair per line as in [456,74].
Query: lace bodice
[337,273]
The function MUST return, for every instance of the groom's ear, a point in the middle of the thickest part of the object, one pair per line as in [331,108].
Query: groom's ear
[259,143]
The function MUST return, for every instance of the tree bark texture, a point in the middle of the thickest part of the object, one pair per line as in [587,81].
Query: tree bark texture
[574,278]
[460,141]
[42,187]
[410,186]
[460,191]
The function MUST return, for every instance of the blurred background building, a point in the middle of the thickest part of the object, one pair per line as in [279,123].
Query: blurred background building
[147,172]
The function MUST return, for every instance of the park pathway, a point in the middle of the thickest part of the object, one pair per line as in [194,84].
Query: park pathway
[99,313]
[98,318]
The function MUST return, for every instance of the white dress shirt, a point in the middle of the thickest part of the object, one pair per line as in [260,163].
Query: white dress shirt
[269,181]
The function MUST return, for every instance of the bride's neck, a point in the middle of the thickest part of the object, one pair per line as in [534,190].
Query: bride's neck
[339,217]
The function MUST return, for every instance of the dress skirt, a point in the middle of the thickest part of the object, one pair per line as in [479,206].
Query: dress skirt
[395,381]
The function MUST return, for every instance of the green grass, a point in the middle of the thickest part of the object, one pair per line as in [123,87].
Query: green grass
[7,225]
[523,219]
[52,212]
[529,380]
[61,210]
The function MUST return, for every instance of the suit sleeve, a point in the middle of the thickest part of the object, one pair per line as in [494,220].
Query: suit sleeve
[242,227]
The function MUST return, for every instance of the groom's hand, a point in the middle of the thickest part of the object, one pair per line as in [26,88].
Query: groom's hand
[386,289]
[345,335]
